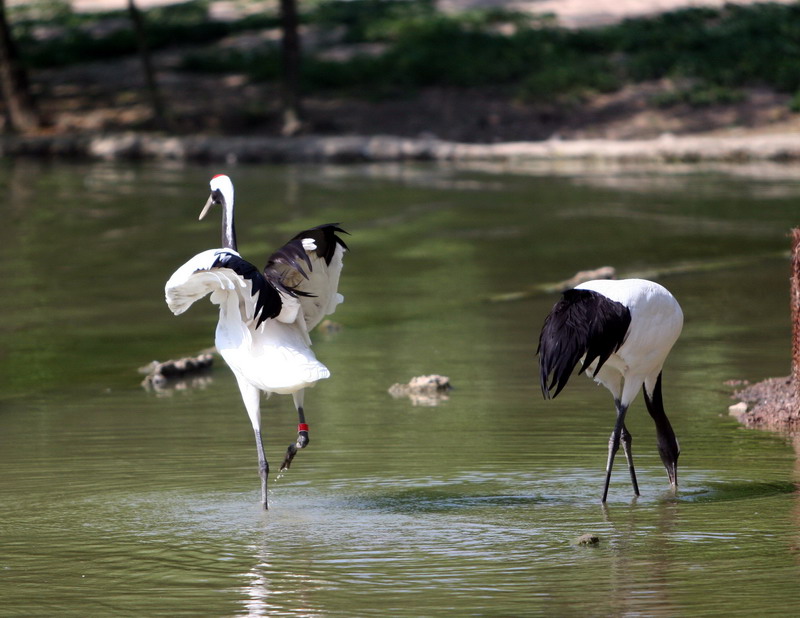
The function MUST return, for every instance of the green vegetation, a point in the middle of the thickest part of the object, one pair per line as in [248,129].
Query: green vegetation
[49,34]
[794,104]
[717,52]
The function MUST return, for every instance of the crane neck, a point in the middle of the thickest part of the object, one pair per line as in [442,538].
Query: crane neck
[228,227]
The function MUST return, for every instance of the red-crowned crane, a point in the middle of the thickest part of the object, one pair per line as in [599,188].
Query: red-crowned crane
[265,316]
[622,331]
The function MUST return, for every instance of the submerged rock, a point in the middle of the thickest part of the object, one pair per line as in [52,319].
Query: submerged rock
[582,276]
[587,539]
[176,373]
[737,409]
[427,390]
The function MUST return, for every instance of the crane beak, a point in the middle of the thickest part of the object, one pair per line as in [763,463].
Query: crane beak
[672,473]
[207,207]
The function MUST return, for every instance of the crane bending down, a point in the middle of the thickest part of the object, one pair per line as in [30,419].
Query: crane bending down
[622,331]
[265,316]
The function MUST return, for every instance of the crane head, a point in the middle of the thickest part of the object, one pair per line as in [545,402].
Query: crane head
[221,193]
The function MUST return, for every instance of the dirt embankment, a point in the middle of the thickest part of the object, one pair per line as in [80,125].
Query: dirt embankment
[772,404]
[775,403]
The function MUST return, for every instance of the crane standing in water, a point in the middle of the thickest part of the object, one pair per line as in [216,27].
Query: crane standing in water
[622,331]
[265,316]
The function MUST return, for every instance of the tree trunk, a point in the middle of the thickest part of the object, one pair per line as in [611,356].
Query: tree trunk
[291,109]
[21,109]
[794,286]
[153,93]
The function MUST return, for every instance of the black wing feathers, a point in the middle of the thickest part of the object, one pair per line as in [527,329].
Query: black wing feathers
[291,255]
[292,252]
[267,285]
[583,322]
[294,255]
[268,301]
[325,238]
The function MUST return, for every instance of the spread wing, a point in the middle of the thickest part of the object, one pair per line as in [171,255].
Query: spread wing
[310,265]
[223,271]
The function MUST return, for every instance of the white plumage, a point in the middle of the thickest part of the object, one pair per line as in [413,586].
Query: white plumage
[621,332]
[276,356]
[656,323]
[265,317]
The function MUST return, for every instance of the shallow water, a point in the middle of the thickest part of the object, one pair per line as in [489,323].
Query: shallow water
[117,500]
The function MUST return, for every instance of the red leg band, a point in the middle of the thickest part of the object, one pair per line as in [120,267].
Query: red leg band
[302,427]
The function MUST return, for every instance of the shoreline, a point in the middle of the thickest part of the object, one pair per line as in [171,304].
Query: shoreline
[130,145]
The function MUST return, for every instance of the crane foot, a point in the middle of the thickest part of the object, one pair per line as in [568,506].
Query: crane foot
[302,442]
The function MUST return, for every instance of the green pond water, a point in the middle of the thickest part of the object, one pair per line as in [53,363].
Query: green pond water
[116,500]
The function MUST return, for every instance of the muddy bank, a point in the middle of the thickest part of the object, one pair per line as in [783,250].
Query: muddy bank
[772,404]
[344,149]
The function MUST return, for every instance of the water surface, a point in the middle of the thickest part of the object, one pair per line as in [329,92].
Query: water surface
[121,501]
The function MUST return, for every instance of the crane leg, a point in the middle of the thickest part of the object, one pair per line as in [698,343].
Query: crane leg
[302,432]
[627,441]
[263,469]
[613,443]
[251,397]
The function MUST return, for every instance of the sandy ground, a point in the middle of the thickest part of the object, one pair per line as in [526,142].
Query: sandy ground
[108,96]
